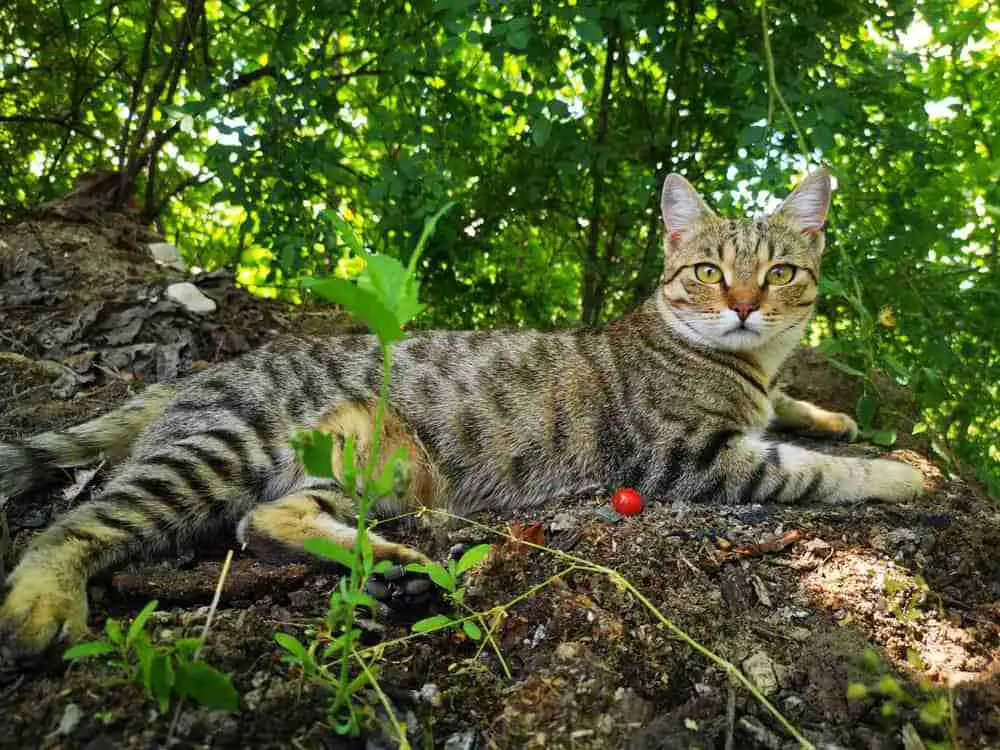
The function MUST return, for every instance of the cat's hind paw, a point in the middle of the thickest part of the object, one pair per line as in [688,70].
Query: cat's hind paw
[39,610]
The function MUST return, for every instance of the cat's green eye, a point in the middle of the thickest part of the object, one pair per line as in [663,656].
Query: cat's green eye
[780,274]
[706,273]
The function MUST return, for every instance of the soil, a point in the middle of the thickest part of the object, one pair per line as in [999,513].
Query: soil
[793,596]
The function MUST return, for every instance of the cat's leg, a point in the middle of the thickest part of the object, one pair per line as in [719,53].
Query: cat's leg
[27,465]
[277,530]
[169,496]
[742,468]
[803,417]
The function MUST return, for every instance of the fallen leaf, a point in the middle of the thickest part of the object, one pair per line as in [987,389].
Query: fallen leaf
[771,546]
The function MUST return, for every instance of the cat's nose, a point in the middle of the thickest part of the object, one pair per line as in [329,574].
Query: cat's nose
[743,309]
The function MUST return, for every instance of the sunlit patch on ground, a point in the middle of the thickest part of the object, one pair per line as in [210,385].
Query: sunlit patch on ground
[901,613]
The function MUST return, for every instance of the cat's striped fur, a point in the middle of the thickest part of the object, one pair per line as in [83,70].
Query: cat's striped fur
[672,399]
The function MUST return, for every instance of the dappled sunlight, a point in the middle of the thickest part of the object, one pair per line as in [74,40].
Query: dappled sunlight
[903,616]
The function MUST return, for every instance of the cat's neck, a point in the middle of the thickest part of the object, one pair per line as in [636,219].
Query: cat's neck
[766,359]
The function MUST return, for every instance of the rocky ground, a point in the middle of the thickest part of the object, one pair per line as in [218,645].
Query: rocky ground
[796,597]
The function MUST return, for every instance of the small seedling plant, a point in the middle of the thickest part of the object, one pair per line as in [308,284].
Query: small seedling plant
[449,578]
[168,672]
[385,295]
[931,708]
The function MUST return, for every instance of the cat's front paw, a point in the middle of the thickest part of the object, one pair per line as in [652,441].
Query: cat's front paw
[838,426]
[40,608]
[895,481]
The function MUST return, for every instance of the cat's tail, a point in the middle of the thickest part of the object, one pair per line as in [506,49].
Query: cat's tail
[33,462]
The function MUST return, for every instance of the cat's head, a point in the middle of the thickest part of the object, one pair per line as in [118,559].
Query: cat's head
[738,285]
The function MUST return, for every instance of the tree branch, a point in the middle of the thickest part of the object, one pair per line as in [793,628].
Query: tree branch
[63,122]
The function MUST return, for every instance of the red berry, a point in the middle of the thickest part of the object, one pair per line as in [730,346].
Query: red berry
[626,501]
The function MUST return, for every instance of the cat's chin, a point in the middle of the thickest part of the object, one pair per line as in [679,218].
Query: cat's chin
[740,340]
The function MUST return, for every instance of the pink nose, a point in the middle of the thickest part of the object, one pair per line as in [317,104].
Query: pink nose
[743,309]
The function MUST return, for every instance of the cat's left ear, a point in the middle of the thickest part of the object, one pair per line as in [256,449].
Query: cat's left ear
[806,208]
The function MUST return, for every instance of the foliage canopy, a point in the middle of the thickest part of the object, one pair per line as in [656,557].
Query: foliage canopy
[255,132]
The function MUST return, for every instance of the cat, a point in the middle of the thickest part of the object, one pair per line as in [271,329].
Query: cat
[672,399]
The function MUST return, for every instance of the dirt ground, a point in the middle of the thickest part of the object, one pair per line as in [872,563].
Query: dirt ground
[794,596]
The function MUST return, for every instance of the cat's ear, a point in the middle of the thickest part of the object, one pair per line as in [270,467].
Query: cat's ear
[806,208]
[681,207]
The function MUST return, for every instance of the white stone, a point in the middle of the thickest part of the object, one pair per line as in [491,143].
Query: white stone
[191,297]
[166,254]
[760,669]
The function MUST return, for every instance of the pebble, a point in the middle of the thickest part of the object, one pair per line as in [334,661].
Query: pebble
[190,297]
[71,717]
[467,739]
[166,254]
[563,522]
[430,694]
[760,669]
[760,734]
[538,636]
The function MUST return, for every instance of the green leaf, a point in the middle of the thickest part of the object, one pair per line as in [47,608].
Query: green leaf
[430,225]
[751,135]
[139,621]
[345,232]
[436,572]
[836,364]
[331,550]
[160,682]
[865,410]
[209,687]
[314,449]
[387,481]
[541,129]
[292,645]
[472,630]
[886,438]
[360,303]
[113,629]
[472,557]
[856,691]
[349,481]
[589,31]
[519,39]
[437,622]
[86,650]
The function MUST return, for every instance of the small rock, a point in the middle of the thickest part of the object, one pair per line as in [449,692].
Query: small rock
[563,522]
[793,705]
[430,694]
[190,297]
[71,717]
[467,739]
[608,514]
[538,636]
[758,733]
[760,669]
[166,254]
[816,545]
[761,590]
[799,634]
[568,650]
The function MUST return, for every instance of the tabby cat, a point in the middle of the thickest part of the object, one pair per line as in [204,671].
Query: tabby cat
[672,399]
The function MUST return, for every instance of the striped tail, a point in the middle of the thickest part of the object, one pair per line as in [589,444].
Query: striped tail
[30,464]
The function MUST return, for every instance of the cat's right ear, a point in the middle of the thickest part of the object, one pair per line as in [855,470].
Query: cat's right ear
[681,207]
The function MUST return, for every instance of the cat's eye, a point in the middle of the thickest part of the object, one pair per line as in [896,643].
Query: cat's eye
[706,273]
[780,274]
